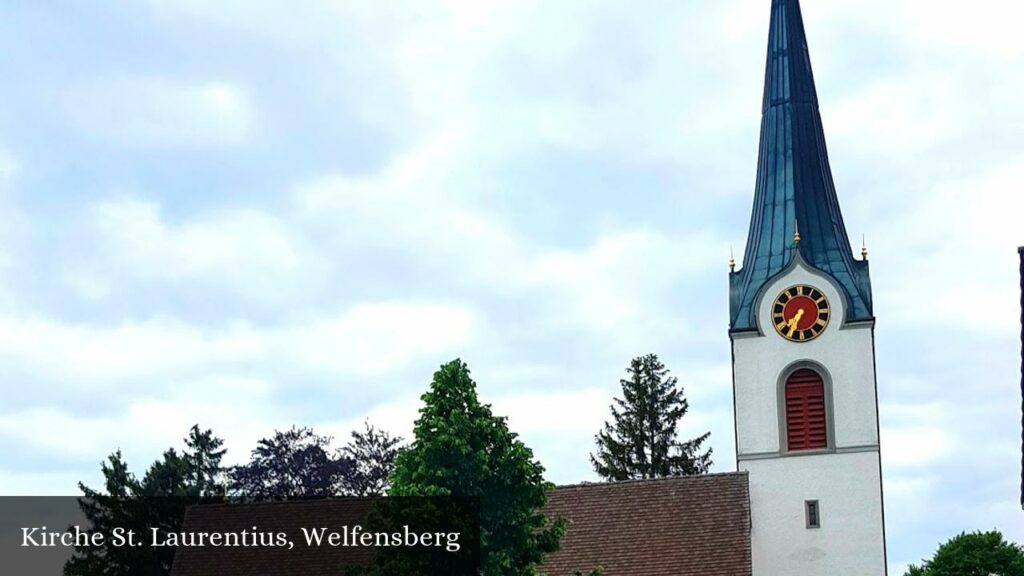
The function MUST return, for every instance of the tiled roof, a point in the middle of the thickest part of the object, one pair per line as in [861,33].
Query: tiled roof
[287,517]
[690,526]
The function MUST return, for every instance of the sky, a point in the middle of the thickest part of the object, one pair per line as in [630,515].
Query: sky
[248,216]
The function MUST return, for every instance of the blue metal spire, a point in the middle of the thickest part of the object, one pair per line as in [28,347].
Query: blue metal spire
[794,186]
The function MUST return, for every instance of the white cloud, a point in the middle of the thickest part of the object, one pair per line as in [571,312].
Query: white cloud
[162,113]
[248,252]
[95,436]
[239,410]
[15,482]
[559,412]
[910,115]
[916,435]
[415,206]
[396,416]
[367,339]
[77,354]
[959,260]
[987,29]
[379,338]
[914,447]
[412,197]
[902,488]
[613,282]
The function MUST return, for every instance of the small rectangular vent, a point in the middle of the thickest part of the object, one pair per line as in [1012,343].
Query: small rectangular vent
[813,514]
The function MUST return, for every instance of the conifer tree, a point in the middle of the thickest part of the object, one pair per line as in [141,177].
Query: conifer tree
[203,456]
[156,501]
[642,440]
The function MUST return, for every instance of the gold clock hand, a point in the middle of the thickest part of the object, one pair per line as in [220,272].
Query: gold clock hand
[795,320]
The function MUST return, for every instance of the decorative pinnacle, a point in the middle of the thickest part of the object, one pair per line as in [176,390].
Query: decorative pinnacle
[796,232]
[732,261]
[863,247]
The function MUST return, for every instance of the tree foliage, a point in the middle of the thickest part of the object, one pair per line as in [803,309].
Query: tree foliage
[158,501]
[461,449]
[974,554]
[202,459]
[295,462]
[641,442]
[291,464]
[372,453]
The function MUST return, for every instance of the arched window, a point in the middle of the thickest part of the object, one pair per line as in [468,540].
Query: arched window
[806,427]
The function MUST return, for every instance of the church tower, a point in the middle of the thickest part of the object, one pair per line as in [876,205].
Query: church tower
[802,332]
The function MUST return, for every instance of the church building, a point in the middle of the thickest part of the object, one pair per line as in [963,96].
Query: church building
[806,499]
[801,326]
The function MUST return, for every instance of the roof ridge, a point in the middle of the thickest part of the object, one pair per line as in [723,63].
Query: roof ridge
[582,484]
[693,477]
[285,501]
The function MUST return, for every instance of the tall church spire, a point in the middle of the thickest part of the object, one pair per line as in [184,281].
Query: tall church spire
[794,189]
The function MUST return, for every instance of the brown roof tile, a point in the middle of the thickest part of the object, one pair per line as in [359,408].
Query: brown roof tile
[690,526]
[288,517]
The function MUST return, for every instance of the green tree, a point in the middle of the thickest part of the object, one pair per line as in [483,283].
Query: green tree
[641,442]
[974,554]
[462,449]
[158,501]
[202,459]
[105,510]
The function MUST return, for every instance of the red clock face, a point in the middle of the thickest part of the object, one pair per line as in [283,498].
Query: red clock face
[800,313]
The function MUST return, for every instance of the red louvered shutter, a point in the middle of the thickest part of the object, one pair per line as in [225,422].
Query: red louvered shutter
[805,411]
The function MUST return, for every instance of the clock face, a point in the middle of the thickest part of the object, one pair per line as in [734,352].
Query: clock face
[800,313]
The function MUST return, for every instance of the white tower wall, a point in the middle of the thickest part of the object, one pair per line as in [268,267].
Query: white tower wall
[845,479]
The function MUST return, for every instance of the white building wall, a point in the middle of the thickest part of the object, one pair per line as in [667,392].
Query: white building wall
[846,481]
[847,488]
[845,352]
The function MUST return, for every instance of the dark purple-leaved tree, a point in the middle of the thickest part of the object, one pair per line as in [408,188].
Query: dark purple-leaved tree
[372,453]
[293,463]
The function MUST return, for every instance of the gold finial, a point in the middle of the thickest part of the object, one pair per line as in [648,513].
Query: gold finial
[732,261]
[864,246]
[796,232]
